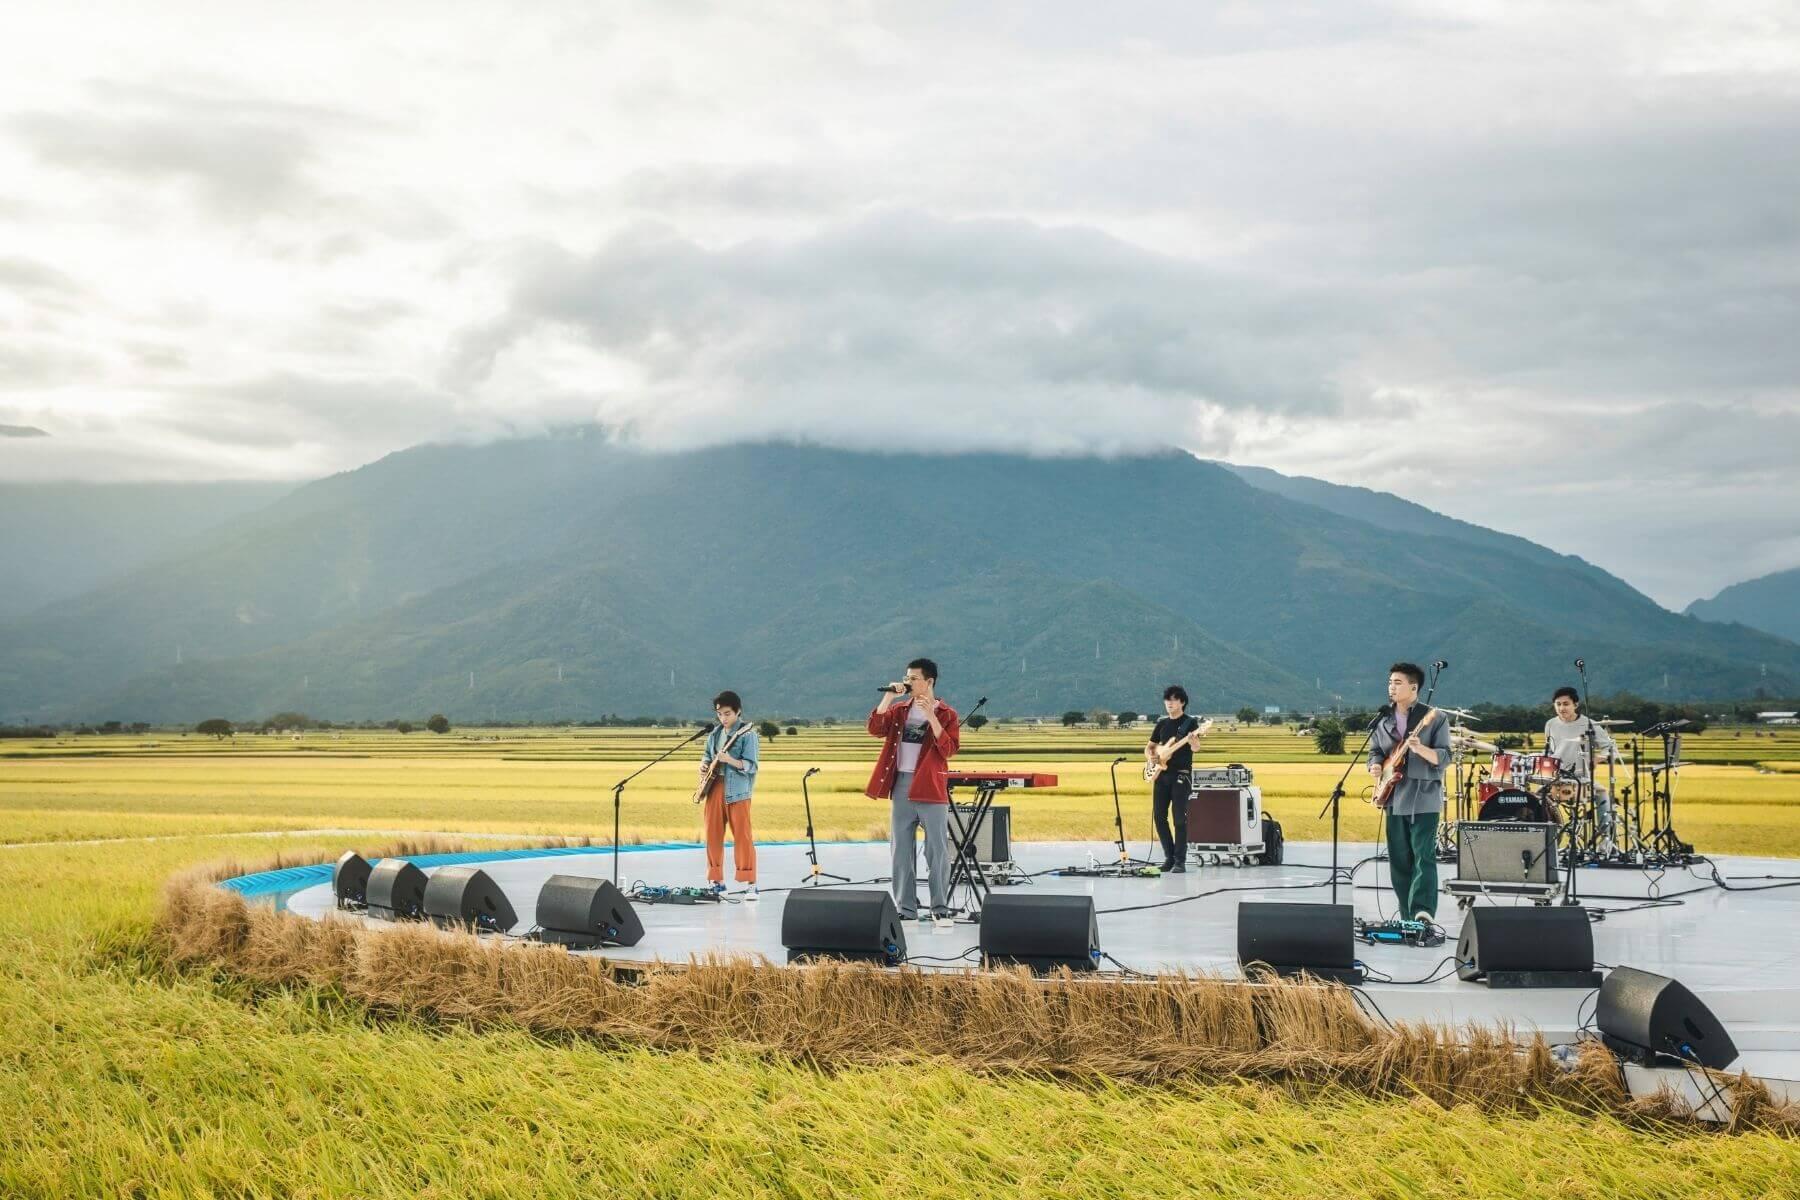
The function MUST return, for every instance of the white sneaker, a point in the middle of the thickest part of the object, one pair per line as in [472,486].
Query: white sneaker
[1424,916]
[717,889]
[750,893]
[943,922]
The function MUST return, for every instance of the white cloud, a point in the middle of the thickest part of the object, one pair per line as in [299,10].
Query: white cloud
[1468,252]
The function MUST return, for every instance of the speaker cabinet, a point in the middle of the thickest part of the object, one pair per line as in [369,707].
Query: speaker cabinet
[350,881]
[856,923]
[583,913]
[1319,939]
[1527,947]
[467,897]
[1042,932]
[396,891]
[1503,854]
[1643,1016]
[993,837]
[1225,818]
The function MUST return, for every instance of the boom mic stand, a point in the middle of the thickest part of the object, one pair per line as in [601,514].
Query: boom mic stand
[812,847]
[1337,798]
[619,788]
[1570,861]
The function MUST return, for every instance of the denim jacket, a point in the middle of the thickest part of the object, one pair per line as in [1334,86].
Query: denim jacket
[737,783]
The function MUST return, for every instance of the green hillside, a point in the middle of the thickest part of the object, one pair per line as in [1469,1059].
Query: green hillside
[810,574]
[1770,603]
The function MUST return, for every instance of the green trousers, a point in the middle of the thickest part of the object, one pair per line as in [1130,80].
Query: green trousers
[1412,862]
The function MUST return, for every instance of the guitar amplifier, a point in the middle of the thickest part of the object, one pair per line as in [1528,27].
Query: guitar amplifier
[1513,858]
[1225,819]
[993,837]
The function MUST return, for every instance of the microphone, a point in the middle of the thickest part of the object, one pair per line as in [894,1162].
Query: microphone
[1440,664]
[1581,664]
[886,688]
[811,772]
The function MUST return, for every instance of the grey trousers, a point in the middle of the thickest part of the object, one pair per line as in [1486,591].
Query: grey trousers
[935,820]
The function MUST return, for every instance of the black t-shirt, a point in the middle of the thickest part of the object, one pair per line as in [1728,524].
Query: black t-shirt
[1175,727]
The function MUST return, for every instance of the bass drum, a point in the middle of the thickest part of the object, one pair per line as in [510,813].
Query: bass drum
[1512,804]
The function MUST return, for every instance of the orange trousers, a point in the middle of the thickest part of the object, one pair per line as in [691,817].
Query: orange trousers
[743,847]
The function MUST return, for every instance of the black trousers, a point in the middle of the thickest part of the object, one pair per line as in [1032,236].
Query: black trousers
[1170,794]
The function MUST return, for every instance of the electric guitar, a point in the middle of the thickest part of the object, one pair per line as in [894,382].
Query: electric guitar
[1393,768]
[1160,762]
[711,770]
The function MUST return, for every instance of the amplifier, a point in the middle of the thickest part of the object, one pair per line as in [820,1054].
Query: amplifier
[1505,855]
[993,837]
[1237,775]
[1227,819]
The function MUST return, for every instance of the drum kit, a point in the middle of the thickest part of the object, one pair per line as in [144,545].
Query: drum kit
[1606,825]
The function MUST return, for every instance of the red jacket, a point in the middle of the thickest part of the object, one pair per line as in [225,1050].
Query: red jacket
[928,777]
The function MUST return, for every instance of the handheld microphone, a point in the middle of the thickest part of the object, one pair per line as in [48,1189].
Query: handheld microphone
[887,688]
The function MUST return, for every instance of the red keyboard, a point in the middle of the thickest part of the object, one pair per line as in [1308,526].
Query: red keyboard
[998,779]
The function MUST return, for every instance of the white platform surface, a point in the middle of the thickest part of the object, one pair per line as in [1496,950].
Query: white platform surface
[1739,951]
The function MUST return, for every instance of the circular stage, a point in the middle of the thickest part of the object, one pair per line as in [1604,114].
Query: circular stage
[1734,948]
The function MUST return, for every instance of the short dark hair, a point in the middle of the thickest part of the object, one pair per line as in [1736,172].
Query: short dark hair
[1412,671]
[1176,692]
[925,667]
[729,700]
[1566,690]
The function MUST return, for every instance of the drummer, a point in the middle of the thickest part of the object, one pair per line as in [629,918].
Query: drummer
[1565,736]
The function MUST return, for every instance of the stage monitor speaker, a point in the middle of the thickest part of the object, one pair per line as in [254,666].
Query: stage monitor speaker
[583,913]
[467,897]
[1503,853]
[1319,939]
[993,837]
[396,891]
[857,923]
[1642,1016]
[1042,932]
[350,881]
[1510,947]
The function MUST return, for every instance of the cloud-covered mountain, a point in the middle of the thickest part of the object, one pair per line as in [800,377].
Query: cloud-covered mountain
[570,577]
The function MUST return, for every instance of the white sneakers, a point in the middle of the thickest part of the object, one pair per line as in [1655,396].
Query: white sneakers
[750,893]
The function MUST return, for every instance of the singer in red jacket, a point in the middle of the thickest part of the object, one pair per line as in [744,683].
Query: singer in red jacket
[919,733]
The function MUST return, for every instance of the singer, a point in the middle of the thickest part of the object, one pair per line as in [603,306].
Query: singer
[920,734]
[1418,801]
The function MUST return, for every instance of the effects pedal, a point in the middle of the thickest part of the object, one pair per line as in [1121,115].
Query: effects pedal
[1398,933]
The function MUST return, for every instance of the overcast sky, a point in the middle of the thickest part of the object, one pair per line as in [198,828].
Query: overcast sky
[1533,265]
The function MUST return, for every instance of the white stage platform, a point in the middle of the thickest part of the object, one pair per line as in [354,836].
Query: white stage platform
[1737,950]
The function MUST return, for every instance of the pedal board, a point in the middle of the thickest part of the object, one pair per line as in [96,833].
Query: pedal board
[662,894]
[1398,933]
[1114,871]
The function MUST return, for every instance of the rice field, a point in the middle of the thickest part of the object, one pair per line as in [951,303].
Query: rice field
[123,1072]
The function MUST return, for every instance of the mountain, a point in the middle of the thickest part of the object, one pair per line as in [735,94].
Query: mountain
[1770,603]
[572,577]
[65,538]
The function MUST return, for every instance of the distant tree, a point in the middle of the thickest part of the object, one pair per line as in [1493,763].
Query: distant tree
[792,730]
[139,727]
[1100,717]
[828,721]
[1073,717]
[1246,716]
[1127,718]
[112,727]
[977,721]
[769,729]
[438,723]
[291,720]
[1271,718]
[218,727]
[1328,735]
[404,726]
[1509,741]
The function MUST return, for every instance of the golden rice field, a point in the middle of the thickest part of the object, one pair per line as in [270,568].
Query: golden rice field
[124,1074]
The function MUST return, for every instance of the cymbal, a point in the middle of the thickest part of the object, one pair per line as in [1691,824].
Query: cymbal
[1464,713]
[1610,721]
[1659,768]
[1457,743]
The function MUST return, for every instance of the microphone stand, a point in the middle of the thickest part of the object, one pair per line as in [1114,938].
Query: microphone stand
[1337,797]
[1119,813]
[1570,888]
[812,847]
[619,789]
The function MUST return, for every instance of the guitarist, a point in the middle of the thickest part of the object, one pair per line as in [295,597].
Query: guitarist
[1417,800]
[732,747]
[1169,791]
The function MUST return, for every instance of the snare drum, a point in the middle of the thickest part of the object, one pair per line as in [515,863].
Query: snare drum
[1505,763]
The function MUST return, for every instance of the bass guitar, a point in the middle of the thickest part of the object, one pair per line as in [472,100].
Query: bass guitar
[710,771]
[1159,760]
[1393,768]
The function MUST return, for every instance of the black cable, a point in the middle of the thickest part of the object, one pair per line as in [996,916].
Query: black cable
[1279,887]
[1365,1001]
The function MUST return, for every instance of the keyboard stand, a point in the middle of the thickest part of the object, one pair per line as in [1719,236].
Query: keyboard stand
[964,869]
